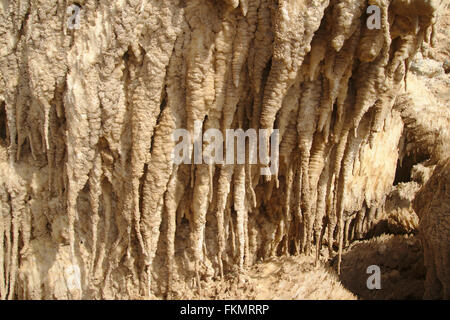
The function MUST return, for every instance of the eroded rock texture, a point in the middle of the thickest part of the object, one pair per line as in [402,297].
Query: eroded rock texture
[401,263]
[93,207]
[432,204]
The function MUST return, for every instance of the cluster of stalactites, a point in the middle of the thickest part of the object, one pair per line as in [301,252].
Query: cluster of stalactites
[100,109]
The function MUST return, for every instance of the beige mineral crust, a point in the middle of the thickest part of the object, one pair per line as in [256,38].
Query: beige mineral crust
[92,205]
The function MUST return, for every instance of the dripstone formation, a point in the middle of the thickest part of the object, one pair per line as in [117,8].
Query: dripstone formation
[92,205]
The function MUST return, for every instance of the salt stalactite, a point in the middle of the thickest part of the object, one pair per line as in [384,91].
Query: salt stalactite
[199,207]
[261,51]
[90,112]
[12,232]
[94,198]
[370,44]
[17,208]
[106,191]
[159,171]
[175,192]
[245,30]
[244,6]
[199,72]
[175,114]
[307,119]
[142,130]
[241,211]
[4,227]
[335,68]
[199,100]
[287,125]
[84,113]
[347,166]
[232,3]
[366,95]
[287,116]
[319,153]
[359,222]
[346,20]
[146,101]
[223,190]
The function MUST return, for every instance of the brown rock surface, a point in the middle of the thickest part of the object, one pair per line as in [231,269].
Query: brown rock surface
[92,205]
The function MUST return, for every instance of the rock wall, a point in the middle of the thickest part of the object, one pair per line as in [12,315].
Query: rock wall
[401,262]
[432,204]
[93,205]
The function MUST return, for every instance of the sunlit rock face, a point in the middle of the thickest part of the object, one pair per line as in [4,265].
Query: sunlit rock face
[92,205]
[433,207]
